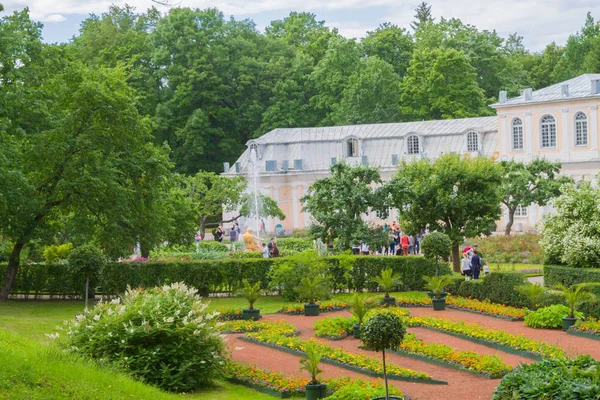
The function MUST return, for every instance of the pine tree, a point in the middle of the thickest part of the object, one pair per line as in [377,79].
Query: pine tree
[422,16]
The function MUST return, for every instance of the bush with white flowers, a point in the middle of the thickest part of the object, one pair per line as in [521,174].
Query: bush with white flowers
[162,335]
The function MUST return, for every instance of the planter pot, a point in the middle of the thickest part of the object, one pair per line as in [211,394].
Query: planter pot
[356,331]
[311,310]
[389,301]
[314,392]
[431,295]
[253,314]
[439,304]
[567,322]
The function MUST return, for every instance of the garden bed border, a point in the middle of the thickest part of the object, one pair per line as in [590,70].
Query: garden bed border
[584,334]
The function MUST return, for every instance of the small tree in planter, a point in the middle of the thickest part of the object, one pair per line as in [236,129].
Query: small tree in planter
[86,261]
[250,293]
[574,296]
[314,389]
[387,281]
[436,285]
[436,246]
[359,308]
[380,332]
[312,290]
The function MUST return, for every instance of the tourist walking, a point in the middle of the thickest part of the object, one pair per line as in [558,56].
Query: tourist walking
[404,242]
[466,267]
[265,251]
[275,251]
[364,249]
[411,245]
[233,234]
[475,264]
[218,233]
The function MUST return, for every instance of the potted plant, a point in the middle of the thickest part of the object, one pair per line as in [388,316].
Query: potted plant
[314,389]
[386,282]
[436,285]
[574,296]
[312,290]
[359,309]
[380,332]
[250,293]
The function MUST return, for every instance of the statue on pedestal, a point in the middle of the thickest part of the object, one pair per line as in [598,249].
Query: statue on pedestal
[252,242]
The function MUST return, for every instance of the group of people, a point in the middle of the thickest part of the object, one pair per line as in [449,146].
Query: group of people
[270,250]
[400,243]
[472,264]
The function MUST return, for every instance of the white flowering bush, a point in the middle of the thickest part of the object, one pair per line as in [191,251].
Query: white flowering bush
[162,335]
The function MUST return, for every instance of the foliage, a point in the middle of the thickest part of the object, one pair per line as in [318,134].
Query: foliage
[533,183]
[85,263]
[388,280]
[359,306]
[312,290]
[131,334]
[334,328]
[571,234]
[324,306]
[485,307]
[497,287]
[242,326]
[357,389]
[437,284]
[498,336]
[590,326]
[524,248]
[548,317]
[311,363]
[439,194]
[337,202]
[55,253]
[250,292]
[575,379]
[289,246]
[436,246]
[575,295]
[287,275]
[572,276]
[534,292]
[273,381]
[383,331]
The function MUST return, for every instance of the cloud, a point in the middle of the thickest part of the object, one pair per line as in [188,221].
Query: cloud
[54,18]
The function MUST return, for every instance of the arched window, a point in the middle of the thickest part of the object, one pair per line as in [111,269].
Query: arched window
[581,129]
[548,131]
[352,148]
[412,145]
[517,134]
[472,141]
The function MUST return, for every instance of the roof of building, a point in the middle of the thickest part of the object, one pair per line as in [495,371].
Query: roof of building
[579,88]
[374,131]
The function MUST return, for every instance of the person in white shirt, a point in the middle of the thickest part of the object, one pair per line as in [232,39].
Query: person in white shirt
[466,267]
[364,248]
[265,251]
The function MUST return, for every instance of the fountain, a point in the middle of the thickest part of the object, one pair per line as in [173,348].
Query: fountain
[253,173]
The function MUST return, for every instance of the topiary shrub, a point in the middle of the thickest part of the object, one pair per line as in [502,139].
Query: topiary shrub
[162,335]
[577,379]
[287,274]
[436,246]
[85,263]
[548,317]
[498,287]
[290,246]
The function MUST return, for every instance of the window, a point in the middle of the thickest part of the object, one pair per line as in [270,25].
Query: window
[352,148]
[521,211]
[517,134]
[581,129]
[548,131]
[472,141]
[412,145]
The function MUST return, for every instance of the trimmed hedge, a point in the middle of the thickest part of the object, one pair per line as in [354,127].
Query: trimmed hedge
[568,276]
[217,275]
[498,287]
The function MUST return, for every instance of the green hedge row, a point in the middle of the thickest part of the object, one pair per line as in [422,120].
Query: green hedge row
[218,275]
[498,287]
[568,276]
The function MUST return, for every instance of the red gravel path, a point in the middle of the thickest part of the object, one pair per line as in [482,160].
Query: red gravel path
[462,385]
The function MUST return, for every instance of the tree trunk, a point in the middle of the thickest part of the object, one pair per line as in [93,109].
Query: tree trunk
[455,257]
[387,393]
[511,220]
[11,271]
[145,250]
[202,227]
[87,288]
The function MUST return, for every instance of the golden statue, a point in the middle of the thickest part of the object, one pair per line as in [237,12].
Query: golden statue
[252,242]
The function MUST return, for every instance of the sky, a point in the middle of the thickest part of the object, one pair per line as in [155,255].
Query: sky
[540,22]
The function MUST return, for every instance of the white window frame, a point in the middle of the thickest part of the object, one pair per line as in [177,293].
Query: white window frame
[473,136]
[521,212]
[517,129]
[411,147]
[551,132]
[580,124]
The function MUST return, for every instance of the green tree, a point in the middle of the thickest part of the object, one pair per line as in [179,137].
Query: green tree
[336,203]
[533,183]
[392,44]
[436,246]
[422,17]
[441,84]
[457,196]
[372,95]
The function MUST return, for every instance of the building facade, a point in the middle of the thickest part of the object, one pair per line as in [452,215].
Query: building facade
[559,123]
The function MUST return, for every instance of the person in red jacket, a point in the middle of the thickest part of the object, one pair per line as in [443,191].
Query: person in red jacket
[404,242]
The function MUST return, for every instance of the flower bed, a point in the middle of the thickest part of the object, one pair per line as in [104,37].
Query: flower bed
[337,328]
[485,307]
[339,357]
[326,306]
[515,343]
[241,326]
[274,382]
[229,313]
[413,302]
[589,328]
[488,365]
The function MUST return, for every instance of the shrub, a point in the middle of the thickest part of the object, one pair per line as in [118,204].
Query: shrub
[85,263]
[567,276]
[57,253]
[548,317]
[162,335]
[523,248]
[287,275]
[552,379]
[210,245]
[498,287]
[290,246]
[436,246]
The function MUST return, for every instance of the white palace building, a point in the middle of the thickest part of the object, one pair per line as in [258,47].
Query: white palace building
[559,123]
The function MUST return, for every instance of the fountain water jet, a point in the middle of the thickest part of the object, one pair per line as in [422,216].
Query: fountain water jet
[253,187]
